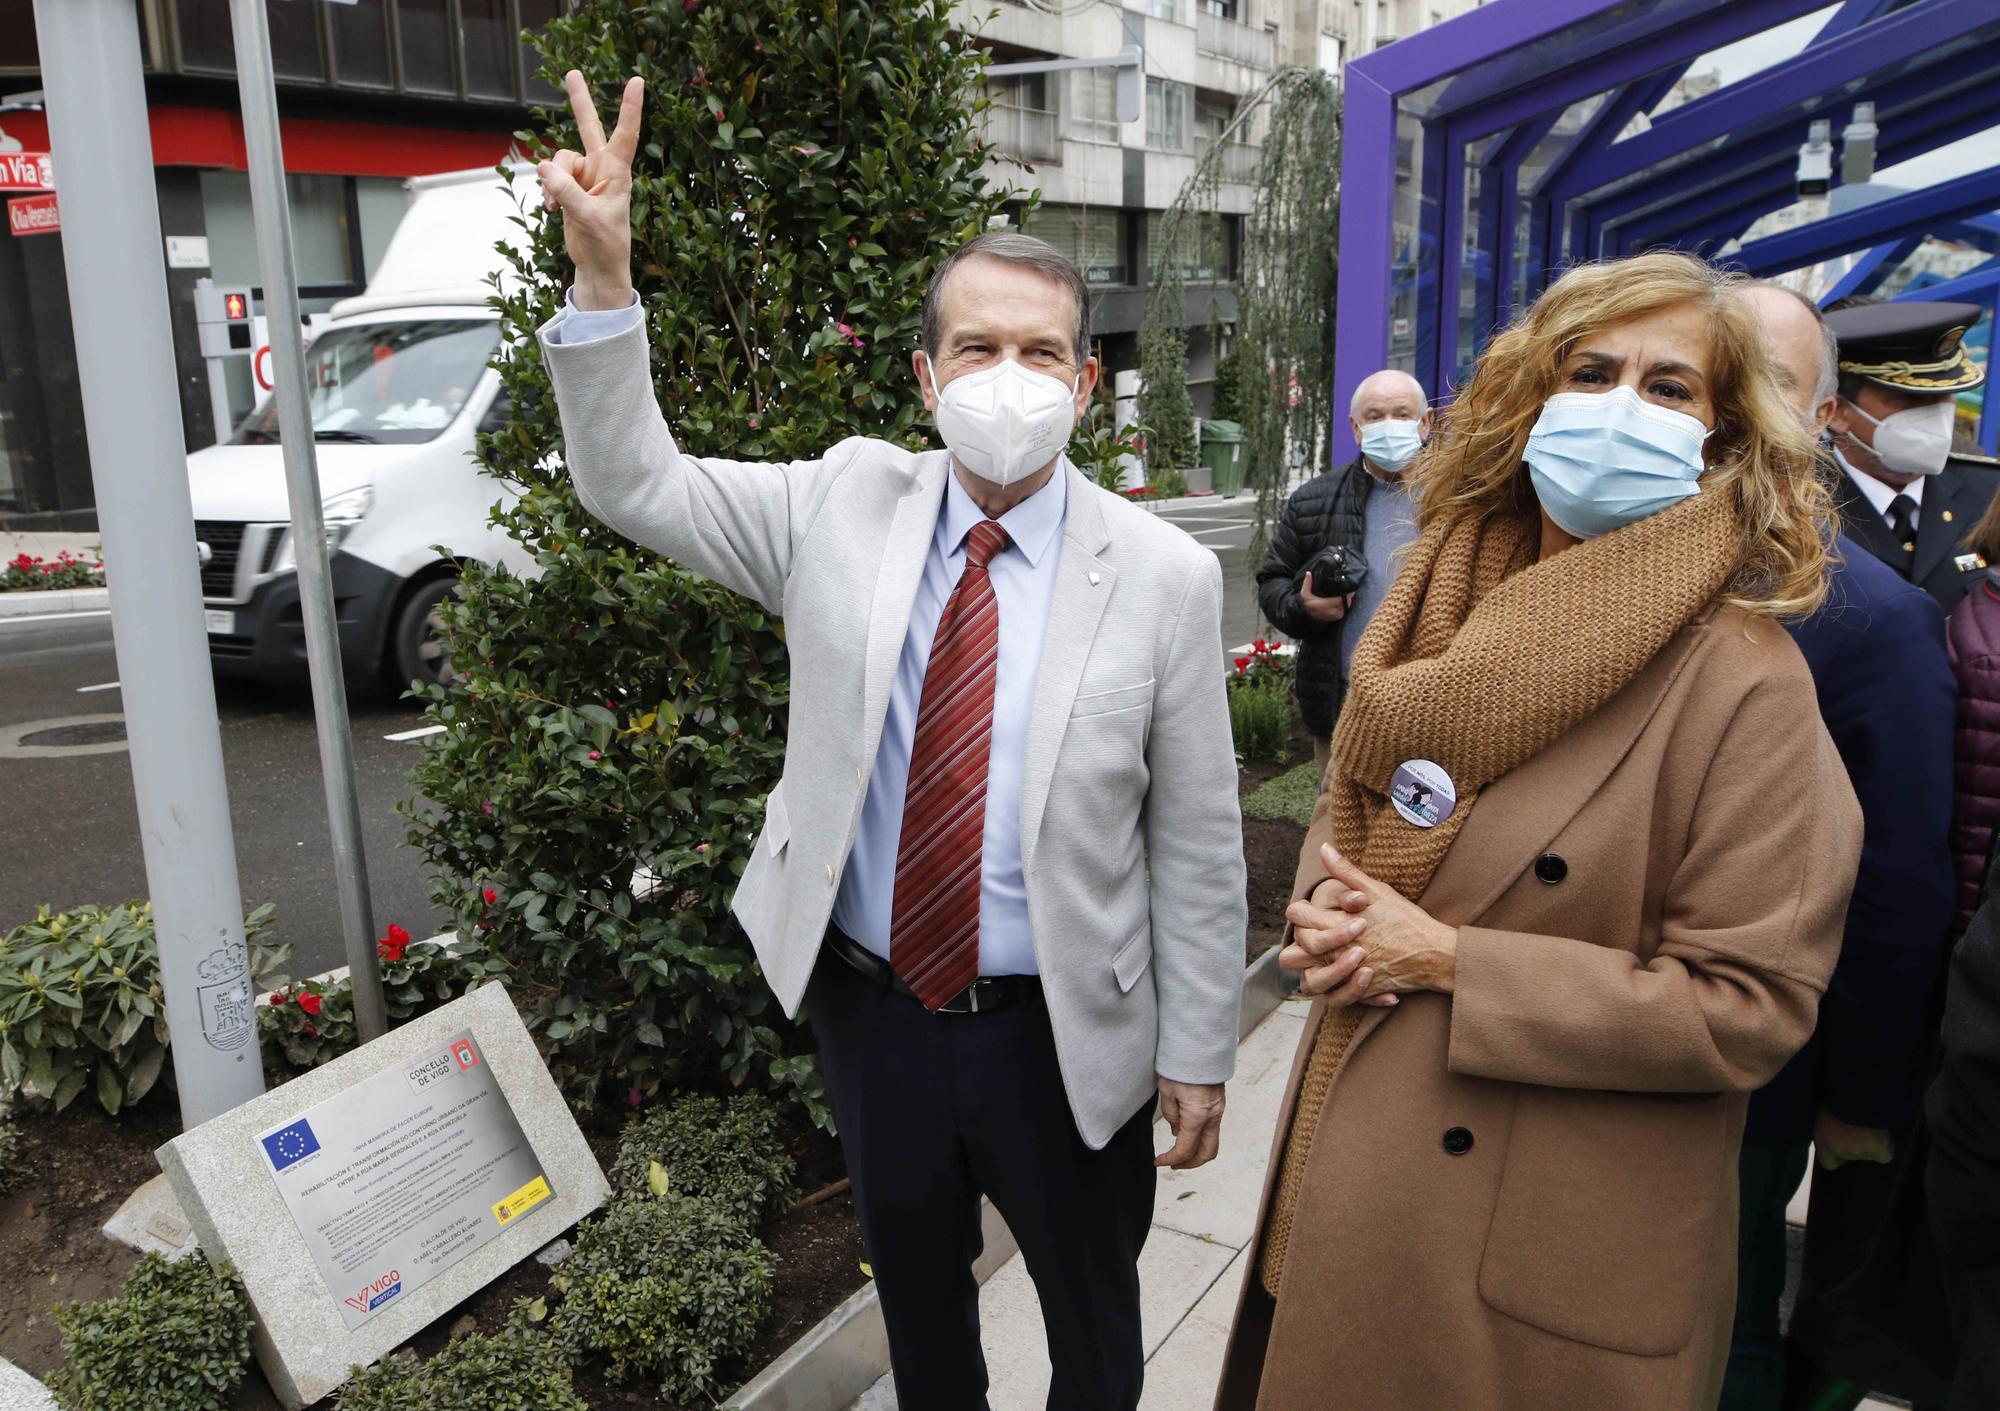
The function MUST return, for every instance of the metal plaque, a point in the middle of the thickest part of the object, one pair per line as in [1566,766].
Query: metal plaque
[402,1175]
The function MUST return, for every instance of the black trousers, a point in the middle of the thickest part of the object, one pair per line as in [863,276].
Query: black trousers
[936,1110]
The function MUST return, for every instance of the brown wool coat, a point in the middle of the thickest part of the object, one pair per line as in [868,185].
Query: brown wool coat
[1615,1005]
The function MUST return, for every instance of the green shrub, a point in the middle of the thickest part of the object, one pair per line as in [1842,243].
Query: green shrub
[669,1286]
[1289,798]
[801,171]
[513,1370]
[81,1004]
[1099,446]
[311,1021]
[1260,719]
[178,1336]
[1164,404]
[1167,483]
[731,1152]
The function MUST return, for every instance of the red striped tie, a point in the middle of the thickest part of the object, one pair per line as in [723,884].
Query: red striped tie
[934,926]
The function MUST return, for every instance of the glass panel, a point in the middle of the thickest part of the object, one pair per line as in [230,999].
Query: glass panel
[1173,10]
[1092,113]
[489,48]
[206,42]
[382,201]
[425,29]
[1167,115]
[1411,259]
[535,14]
[17,51]
[1206,256]
[1093,237]
[361,43]
[294,39]
[396,383]
[1745,58]
[319,228]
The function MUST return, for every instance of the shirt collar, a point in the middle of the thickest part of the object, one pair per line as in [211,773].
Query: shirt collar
[1874,491]
[1031,525]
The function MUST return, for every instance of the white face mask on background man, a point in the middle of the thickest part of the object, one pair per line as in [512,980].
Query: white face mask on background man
[1004,422]
[1392,443]
[1914,441]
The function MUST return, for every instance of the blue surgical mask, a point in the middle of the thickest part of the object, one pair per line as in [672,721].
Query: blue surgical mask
[1602,460]
[1391,444]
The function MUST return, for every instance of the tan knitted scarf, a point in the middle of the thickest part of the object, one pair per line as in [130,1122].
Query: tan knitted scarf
[1477,660]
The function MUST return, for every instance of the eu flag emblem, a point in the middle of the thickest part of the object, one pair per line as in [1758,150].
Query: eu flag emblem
[290,1144]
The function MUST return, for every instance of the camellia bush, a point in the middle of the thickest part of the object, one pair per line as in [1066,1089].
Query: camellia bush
[614,722]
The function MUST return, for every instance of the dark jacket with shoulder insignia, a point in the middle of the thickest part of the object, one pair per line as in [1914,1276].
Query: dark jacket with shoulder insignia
[1954,500]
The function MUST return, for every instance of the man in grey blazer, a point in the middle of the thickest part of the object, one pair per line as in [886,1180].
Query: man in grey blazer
[1004,864]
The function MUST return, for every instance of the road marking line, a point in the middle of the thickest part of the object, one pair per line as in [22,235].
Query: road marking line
[54,616]
[107,686]
[417,734]
[1230,529]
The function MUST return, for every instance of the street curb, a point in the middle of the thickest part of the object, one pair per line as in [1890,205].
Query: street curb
[59,600]
[847,1352]
[21,1392]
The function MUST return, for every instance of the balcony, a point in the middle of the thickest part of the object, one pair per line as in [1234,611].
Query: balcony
[1226,39]
[1028,133]
[1241,162]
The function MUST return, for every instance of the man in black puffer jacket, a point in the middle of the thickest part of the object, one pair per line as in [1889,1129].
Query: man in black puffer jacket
[1363,508]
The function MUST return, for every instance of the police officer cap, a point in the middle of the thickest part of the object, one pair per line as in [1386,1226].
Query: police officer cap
[1912,347]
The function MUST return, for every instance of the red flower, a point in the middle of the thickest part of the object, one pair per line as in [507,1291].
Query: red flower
[491,896]
[688,7]
[1243,663]
[309,1030]
[277,999]
[594,755]
[397,935]
[845,330]
[309,1002]
[633,1097]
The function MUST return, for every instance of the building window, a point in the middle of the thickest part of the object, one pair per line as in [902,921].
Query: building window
[1208,248]
[1173,10]
[1092,113]
[1166,115]
[535,15]
[489,48]
[1221,9]
[425,29]
[361,43]
[1095,238]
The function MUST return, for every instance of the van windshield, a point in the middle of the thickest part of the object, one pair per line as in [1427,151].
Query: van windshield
[388,382]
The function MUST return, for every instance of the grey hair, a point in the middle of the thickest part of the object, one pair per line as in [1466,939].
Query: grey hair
[1827,384]
[1354,402]
[1016,249]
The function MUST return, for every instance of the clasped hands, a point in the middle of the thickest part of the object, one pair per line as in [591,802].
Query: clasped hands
[1360,941]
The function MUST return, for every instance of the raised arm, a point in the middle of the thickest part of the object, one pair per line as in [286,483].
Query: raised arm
[736,522]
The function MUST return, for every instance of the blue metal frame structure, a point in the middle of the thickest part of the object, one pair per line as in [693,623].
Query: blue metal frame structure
[1485,98]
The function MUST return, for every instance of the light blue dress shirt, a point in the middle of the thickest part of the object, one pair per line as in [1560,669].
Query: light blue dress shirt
[1024,577]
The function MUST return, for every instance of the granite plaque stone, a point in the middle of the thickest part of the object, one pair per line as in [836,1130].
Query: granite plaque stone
[364,1199]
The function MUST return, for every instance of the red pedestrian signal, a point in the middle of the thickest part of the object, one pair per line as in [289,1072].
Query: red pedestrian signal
[235,306]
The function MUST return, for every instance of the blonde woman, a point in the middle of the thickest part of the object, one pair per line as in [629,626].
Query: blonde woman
[1573,890]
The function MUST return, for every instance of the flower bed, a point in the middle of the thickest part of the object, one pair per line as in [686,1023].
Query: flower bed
[31,573]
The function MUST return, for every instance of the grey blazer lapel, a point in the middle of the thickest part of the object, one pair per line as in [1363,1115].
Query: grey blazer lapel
[904,553]
[1083,588]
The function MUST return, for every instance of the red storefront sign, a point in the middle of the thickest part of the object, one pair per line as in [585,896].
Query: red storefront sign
[33,215]
[26,171]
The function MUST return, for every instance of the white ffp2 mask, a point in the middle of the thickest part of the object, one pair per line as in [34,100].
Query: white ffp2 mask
[1004,422]
[1914,441]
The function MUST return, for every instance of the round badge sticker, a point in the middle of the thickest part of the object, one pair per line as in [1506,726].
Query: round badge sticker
[1422,793]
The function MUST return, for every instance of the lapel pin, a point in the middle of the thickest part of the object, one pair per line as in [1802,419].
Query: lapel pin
[1947,516]
[1094,580]
[1422,792]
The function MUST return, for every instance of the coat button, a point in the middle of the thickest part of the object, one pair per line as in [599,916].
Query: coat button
[1457,1140]
[1551,868]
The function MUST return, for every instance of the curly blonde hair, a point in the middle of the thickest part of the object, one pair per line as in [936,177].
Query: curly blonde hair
[1760,452]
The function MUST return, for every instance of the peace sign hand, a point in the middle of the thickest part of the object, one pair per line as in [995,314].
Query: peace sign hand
[593,189]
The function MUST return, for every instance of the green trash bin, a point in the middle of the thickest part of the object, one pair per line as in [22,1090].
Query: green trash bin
[1222,453]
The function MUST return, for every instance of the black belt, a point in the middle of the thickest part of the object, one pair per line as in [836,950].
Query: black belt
[982,996]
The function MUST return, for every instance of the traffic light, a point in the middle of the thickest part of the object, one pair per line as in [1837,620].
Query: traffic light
[223,317]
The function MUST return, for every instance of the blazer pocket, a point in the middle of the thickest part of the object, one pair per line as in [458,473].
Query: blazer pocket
[1604,1225]
[1132,959]
[1106,702]
[777,821]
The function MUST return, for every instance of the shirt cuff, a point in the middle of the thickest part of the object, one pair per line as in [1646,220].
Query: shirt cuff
[590,325]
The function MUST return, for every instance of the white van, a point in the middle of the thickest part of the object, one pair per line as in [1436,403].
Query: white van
[400,385]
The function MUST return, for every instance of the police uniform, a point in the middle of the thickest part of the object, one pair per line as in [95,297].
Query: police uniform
[1916,347]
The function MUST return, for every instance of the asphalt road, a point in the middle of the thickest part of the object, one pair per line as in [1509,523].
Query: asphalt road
[69,827]
[69,830]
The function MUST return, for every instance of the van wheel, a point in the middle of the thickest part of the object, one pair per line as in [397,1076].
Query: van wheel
[417,648]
